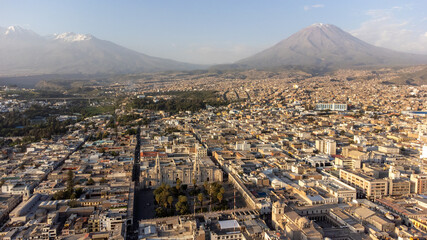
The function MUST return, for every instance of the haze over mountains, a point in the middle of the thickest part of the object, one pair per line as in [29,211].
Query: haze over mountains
[23,52]
[326,45]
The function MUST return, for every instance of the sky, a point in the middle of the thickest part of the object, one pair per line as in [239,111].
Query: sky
[220,31]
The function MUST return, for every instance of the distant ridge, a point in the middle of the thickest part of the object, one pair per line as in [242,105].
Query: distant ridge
[23,52]
[415,79]
[325,45]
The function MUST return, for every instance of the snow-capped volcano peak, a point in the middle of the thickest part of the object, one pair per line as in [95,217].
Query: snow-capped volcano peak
[73,37]
[23,53]
[13,30]
[321,25]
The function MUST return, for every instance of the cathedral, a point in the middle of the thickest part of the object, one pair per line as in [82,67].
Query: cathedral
[191,169]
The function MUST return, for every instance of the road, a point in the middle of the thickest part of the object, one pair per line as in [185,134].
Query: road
[131,231]
[145,208]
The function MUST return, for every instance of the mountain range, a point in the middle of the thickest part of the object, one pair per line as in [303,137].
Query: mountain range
[23,52]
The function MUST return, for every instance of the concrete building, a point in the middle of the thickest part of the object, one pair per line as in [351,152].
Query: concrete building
[340,190]
[318,161]
[243,146]
[327,146]
[331,106]
[424,152]
[381,223]
[399,187]
[348,163]
[419,183]
[346,220]
[371,187]
[227,229]
[389,149]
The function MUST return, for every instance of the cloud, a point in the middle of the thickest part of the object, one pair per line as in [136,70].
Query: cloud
[308,7]
[385,29]
[317,6]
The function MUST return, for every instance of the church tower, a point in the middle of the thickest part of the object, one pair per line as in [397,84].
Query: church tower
[196,165]
[277,212]
[158,170]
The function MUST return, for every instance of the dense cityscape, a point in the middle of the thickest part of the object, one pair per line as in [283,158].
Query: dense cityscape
[213,120]
[289,156]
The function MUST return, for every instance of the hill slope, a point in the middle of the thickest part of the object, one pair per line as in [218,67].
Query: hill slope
[416,79]
[24,52]
[326,45]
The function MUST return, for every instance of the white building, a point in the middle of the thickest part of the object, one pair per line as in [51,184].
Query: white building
[338,189]
[227,229]
[424,152]
[318,161]
[111,221]
[331,106]
[327,146]
[243,146]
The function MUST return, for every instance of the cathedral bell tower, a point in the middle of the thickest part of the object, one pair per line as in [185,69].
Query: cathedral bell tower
[158,169]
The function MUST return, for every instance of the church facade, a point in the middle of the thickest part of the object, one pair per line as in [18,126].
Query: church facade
[192,169]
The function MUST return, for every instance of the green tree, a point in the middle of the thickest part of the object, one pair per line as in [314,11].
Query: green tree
[206,185]
[214,189]
[78,192]
[70,181]
[182,205]
[164,198]
[90,181]
[178,184]
[59,195]
[160,212]
[200,198]
[73,203]
[219,196]
[170,201]
[161,195]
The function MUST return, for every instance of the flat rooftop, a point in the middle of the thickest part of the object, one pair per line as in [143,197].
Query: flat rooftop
[229,224]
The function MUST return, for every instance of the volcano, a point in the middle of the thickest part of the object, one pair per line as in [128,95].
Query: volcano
[326,45]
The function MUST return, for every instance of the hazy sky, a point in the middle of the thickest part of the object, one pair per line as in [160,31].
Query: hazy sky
[220,31]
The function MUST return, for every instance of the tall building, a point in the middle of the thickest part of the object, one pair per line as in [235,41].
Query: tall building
[327,146]
[419,183]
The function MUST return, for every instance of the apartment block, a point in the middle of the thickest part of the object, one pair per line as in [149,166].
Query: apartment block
[373,188]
